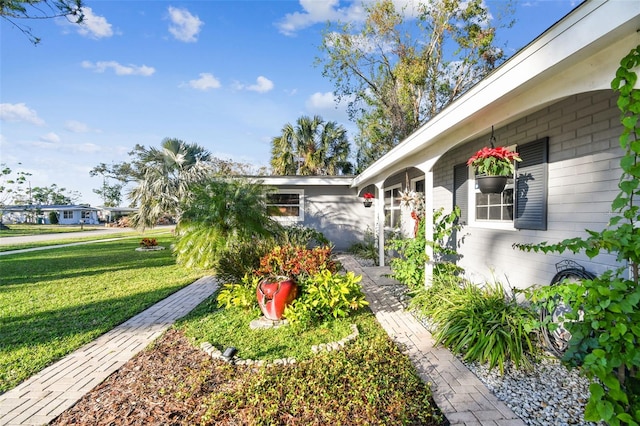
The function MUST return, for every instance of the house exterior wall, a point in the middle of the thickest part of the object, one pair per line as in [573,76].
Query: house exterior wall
[337,212]
[583,172]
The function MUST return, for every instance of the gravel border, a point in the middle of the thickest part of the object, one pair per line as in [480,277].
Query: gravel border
[548,395]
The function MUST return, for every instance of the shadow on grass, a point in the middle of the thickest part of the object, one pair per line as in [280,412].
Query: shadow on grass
[78,261]
[50,335]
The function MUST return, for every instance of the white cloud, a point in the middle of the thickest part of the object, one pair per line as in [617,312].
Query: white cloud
[326,106]
[94,26]
[184,26]
[50,137]
[316,12]
[321,101]
[19,112]
[76,127]
[205,82]
[85,147]
[263,85]
[119,69]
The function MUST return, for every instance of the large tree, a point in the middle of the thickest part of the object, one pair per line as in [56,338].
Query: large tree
[311,147]
[400,69]
[164,179]
[134,172]
[14,11]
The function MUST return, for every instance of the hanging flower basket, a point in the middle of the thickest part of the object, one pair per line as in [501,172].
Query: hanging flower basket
[368,199]
[491,184]
[493,166]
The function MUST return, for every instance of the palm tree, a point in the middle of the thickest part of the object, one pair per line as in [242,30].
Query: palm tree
[221,219]
[312,147]
[167,174]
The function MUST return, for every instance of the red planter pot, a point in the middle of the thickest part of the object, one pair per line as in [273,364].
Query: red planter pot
[274,294]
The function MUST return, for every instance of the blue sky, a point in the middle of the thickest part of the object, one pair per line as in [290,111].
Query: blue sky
[226,75]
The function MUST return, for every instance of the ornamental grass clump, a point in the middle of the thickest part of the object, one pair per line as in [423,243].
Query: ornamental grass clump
[483,324]
[498,161]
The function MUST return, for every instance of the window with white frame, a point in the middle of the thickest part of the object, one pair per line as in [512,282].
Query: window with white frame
[86,214]
[418,185]
[523,203]
[495,207]
[286,205]
[392,211]
[67,214]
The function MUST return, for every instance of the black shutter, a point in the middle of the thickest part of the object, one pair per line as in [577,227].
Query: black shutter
[531,186]
[460,191]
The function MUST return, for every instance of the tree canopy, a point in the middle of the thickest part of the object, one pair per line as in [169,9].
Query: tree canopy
[311,147]
[400,69]
[161,178]
[13,11]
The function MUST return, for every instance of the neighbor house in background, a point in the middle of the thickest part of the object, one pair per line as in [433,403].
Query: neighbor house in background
[67,214]
[553,104]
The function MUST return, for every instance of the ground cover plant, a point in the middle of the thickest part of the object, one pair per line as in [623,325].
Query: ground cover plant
[369,382]
[53,301]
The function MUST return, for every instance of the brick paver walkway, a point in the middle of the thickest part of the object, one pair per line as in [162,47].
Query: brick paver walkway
[461,396]
[463,399]
[47,394]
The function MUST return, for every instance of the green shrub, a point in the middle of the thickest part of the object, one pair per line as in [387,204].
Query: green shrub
[367,249]
[326,295]
[53,218]
[296,261]
[298,235]
[242,295]
[408,266]
[484,324]
[243,257]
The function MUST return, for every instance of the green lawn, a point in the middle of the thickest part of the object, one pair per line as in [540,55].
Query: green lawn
[74,239]
[29,229]
[54,301]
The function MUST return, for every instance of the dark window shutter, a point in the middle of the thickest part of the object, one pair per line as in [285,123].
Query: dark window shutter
[460,191]
[531,186]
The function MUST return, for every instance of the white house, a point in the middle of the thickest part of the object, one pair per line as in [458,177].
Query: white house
[552,102]
[67,214]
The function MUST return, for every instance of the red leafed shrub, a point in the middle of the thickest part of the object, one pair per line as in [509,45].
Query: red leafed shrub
[292,261]
[148,242]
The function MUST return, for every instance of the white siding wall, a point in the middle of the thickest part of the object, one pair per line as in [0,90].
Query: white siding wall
[584,155]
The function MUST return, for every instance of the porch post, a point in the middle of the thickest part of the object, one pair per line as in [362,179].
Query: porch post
[380,220]
[428,228]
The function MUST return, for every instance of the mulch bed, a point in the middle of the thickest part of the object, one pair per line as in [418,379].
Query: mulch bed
[162,385]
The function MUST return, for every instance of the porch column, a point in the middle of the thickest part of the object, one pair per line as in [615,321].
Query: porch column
[380,220]
[428,228]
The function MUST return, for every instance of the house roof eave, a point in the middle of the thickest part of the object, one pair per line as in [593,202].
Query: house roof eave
[563,51]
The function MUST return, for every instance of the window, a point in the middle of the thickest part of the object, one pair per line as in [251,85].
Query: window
[86,214]
[522,205]
[418,185]
[286,205]
[392,207]
[67,214]
[495,207]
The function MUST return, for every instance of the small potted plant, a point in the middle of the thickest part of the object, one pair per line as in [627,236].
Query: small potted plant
[493,166]
[368,199]
[149,244]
